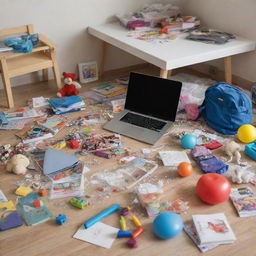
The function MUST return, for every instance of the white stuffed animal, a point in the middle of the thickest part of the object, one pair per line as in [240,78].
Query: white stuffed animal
[241,176]
[18,164]
[232,150]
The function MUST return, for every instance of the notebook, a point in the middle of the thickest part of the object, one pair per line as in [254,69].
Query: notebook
[33,215]
[150,108]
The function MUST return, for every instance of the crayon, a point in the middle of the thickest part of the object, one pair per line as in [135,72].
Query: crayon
[102,154]
[102,215]
[137,232]
[124,233]
[123,223]
[136,221]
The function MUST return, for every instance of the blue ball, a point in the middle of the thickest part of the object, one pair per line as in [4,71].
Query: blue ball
[188,141]
[167,225]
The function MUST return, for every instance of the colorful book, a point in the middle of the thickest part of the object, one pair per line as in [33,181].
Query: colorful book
[190,230]
[9,217]
[244,200]
[110,90]
[3,119]
[66,173]
[24,113]
[33,215]
[53,124]
[213,229]
[65,102]
[34,135]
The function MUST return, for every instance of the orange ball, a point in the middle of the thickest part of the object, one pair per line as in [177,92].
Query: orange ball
[185,169]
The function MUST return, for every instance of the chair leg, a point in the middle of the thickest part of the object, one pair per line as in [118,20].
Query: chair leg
[56,70]
[7,84]
[45,74]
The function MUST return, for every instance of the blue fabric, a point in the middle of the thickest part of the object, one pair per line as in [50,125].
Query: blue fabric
[24,43]
[207,162]
[226,108]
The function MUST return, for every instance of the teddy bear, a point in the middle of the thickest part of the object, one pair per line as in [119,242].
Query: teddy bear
[70,87]
[18,164]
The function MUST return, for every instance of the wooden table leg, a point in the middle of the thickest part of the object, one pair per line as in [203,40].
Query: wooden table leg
[163,73]
[228,69]
[7,83]
[45,74]
[102,57]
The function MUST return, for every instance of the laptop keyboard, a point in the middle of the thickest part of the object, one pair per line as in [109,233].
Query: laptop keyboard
[143,121]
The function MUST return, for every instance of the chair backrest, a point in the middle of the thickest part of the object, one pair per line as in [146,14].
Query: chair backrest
[28,29]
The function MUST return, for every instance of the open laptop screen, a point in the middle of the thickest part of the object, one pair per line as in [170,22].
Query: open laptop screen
[153,96]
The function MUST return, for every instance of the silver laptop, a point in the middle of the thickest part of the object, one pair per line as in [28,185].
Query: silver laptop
[150,108]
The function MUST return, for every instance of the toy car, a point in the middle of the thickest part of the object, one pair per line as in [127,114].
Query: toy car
[79,202]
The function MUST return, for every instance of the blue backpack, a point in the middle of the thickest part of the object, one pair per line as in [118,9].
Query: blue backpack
[226,108]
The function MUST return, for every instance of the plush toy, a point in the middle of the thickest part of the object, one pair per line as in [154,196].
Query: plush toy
[70,87]
[18,164]
[232,150]
[241,176]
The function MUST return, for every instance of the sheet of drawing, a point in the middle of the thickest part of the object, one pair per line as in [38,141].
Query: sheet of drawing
[99,234]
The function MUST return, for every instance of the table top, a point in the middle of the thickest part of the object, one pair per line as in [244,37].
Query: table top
[172,54]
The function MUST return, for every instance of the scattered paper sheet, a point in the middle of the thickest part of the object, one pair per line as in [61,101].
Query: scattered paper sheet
[99,234]
[173,158]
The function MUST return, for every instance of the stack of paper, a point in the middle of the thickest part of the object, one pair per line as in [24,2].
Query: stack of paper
[66,173]
[66,104]
[213,229]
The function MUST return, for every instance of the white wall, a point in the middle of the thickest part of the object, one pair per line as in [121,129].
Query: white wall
[65,22]
[233,16]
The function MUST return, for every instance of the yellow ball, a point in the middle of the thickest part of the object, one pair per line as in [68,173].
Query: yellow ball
[246,133]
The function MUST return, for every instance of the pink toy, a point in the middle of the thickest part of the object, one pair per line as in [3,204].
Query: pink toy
[70,87]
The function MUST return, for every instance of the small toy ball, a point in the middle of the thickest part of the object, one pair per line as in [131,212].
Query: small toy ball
[185,169]
[167,225]
[132,243]
[246,133]
[37,203]
[188,141]
[61,219]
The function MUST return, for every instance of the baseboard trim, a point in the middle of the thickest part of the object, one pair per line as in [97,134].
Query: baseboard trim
[219,75]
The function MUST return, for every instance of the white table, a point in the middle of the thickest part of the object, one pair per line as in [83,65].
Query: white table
[174,54]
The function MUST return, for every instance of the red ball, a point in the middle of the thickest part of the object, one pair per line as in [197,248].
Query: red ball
[213,188]
[185,169]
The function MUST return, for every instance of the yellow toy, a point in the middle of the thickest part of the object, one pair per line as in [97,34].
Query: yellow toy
[23,191]
[246,133]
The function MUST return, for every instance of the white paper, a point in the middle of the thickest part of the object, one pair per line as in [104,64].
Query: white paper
[99,234]
[173,158]
[2,197]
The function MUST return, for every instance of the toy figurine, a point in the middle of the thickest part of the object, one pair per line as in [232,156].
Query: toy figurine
[232,150]
[70,87]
